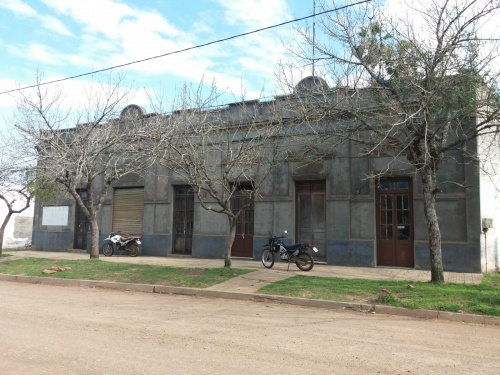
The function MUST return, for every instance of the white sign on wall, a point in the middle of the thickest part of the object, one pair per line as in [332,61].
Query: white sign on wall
[56,215]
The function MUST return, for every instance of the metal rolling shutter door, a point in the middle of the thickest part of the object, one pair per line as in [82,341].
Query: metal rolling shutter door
[128,211]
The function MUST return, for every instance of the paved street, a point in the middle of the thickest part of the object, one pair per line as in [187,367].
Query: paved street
[69,330]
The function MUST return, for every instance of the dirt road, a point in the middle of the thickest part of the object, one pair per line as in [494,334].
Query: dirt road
[64,330]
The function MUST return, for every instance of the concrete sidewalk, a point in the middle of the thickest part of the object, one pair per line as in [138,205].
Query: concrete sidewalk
[246,287]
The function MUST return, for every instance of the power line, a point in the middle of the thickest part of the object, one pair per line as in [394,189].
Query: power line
[186,49]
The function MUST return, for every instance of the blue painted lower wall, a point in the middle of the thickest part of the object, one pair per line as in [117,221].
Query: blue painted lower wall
[52,241]
[456,257]
[350,253]
[258,245]
[155,245]
[210,247]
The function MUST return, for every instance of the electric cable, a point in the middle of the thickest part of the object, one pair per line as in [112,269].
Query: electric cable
[185,49]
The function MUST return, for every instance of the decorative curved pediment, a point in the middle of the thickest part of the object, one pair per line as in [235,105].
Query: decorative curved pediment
[132,112]
[311,84]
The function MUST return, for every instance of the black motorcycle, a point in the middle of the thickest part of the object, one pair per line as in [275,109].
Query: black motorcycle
[296,253]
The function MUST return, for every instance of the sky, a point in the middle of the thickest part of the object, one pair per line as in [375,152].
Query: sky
[62,38]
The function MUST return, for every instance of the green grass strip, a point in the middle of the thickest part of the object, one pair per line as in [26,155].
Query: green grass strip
[95,269]
[468,298]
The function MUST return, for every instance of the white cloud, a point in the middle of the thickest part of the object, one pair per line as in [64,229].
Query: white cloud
[102,16]
[55,25]
[108,17]
[37,52]
[257,54]
[74,93]
[200,27]
[18,7]
[255,13]
[48,22]
[134,34]
[6,101]
[113,33]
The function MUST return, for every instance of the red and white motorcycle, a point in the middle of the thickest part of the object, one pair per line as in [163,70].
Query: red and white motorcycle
[115,242]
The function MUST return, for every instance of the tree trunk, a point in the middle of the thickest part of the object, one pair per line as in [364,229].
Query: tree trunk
[2,230]
[94,228]
[429,182]
[229,241]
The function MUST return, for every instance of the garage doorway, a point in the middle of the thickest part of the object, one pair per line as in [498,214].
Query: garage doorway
[128,211]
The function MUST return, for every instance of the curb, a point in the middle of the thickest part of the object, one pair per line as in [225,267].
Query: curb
[323,304]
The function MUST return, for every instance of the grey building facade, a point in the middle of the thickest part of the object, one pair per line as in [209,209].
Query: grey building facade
[354,221]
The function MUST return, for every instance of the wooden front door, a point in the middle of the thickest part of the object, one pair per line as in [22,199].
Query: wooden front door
[310,215]
[82,226]
[183,220]
[243,241]
[395,223]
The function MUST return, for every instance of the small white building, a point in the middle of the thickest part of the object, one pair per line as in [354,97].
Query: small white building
[19,229]
[489,180]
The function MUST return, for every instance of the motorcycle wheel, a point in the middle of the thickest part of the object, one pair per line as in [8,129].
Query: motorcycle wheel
[267,258]
[107,249]
[132,249]
[304,261]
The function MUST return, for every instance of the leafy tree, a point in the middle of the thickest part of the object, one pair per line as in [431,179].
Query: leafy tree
[418,89]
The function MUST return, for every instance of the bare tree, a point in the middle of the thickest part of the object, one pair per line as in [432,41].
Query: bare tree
[417,90]
[82,148]
[15,183]
[221,149]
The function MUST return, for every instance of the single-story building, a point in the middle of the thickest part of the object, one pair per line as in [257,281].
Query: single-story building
[352,220]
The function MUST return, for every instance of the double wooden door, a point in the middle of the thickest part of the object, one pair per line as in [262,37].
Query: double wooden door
[82,226]
[243,240]
[395,246]
[310,215]
[183,220]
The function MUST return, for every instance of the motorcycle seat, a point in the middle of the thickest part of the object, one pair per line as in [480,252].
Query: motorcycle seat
[292,247]
[125,238]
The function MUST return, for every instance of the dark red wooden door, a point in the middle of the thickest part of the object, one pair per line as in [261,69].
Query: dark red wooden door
[395,223]
[243,241]
[310,215]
